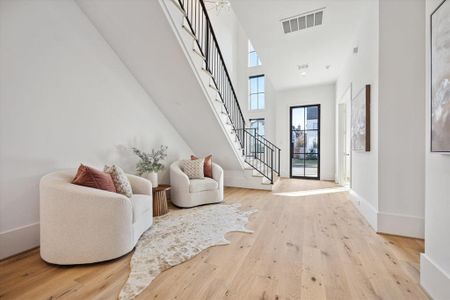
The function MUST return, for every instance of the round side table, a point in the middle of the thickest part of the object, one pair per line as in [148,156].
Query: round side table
[160,206]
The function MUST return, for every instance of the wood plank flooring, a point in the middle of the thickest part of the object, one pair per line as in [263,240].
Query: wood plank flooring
[304,247]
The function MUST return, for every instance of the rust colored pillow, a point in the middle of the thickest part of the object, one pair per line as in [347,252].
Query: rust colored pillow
[90,177]
[207,166]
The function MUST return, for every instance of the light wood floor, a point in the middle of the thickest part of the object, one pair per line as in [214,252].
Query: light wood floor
[304,247]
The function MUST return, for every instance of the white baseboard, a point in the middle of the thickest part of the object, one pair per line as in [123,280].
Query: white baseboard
[390,223]
[365,208]
[433,279]
[404,225]
[327,177]
[18,240]
[244,179]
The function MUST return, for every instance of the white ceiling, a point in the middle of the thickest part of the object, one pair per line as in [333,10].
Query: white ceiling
[328,44]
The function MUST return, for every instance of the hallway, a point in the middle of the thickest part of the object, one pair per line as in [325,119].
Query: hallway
[304,247]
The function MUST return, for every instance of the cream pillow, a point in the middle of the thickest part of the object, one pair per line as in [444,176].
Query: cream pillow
[194,168]
[120,180]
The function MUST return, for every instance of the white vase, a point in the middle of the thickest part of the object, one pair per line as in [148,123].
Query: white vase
[153,177]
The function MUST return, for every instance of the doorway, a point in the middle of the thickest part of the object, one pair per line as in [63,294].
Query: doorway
[305,141]
[344,140]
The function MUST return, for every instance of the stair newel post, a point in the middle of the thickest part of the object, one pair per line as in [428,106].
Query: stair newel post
[243,142]
[271,166]
[242,134]
[246,143]
[243,123]
[255,140]
[279,162]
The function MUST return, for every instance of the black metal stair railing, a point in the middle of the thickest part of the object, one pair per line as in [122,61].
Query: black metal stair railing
[261,154]
[276,152]
[267,160]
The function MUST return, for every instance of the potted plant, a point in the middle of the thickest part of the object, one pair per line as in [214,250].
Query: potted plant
[150,163]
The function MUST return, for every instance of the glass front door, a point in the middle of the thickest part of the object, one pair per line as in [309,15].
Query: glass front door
[305,141]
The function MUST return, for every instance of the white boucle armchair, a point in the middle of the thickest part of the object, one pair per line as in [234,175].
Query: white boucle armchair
[187,192]
[82,225]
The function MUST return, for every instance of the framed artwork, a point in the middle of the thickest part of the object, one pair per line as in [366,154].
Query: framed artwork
[440,78]
[361,120]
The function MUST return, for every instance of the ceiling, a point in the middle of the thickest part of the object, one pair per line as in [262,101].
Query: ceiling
[328,44]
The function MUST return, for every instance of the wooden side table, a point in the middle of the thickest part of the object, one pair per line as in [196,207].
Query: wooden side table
[160,206]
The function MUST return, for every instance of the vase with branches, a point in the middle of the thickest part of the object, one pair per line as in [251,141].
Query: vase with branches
[150,163]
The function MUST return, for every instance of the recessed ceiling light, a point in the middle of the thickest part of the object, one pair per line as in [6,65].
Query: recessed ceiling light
[303,73]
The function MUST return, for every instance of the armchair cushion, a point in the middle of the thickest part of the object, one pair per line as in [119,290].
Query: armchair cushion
[140,204]
[200,185]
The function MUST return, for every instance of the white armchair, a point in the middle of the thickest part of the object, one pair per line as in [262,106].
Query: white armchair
[187,192]
[84,225]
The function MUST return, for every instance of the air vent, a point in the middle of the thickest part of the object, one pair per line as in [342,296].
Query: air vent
[303,21]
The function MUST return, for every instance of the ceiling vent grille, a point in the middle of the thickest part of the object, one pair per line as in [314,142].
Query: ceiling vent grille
[303,21]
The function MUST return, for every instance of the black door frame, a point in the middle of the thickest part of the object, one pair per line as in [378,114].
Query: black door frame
[318,144]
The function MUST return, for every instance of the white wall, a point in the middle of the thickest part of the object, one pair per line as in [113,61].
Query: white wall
[401,118]
[435,262]
[388,181]
[324,95]
[65,98]
[362,69]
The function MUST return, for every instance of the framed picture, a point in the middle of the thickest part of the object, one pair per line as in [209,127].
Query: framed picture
[361,120]
[440,78]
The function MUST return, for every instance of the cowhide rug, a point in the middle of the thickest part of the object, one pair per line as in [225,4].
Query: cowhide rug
[179,236]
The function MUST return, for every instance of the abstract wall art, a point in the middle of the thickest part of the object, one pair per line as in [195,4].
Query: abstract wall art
[440,78]
[361,120]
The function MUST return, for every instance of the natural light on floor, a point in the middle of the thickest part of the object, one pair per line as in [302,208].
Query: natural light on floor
[314,192]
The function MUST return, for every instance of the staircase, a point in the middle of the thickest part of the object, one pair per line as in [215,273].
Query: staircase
[191,80]
[257,152]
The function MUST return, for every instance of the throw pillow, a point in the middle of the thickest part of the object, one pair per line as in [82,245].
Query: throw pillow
[207,166]
[120,180]
[194,168]
[90,177]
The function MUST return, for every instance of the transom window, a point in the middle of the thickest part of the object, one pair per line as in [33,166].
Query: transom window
[256,92]
[253,58]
